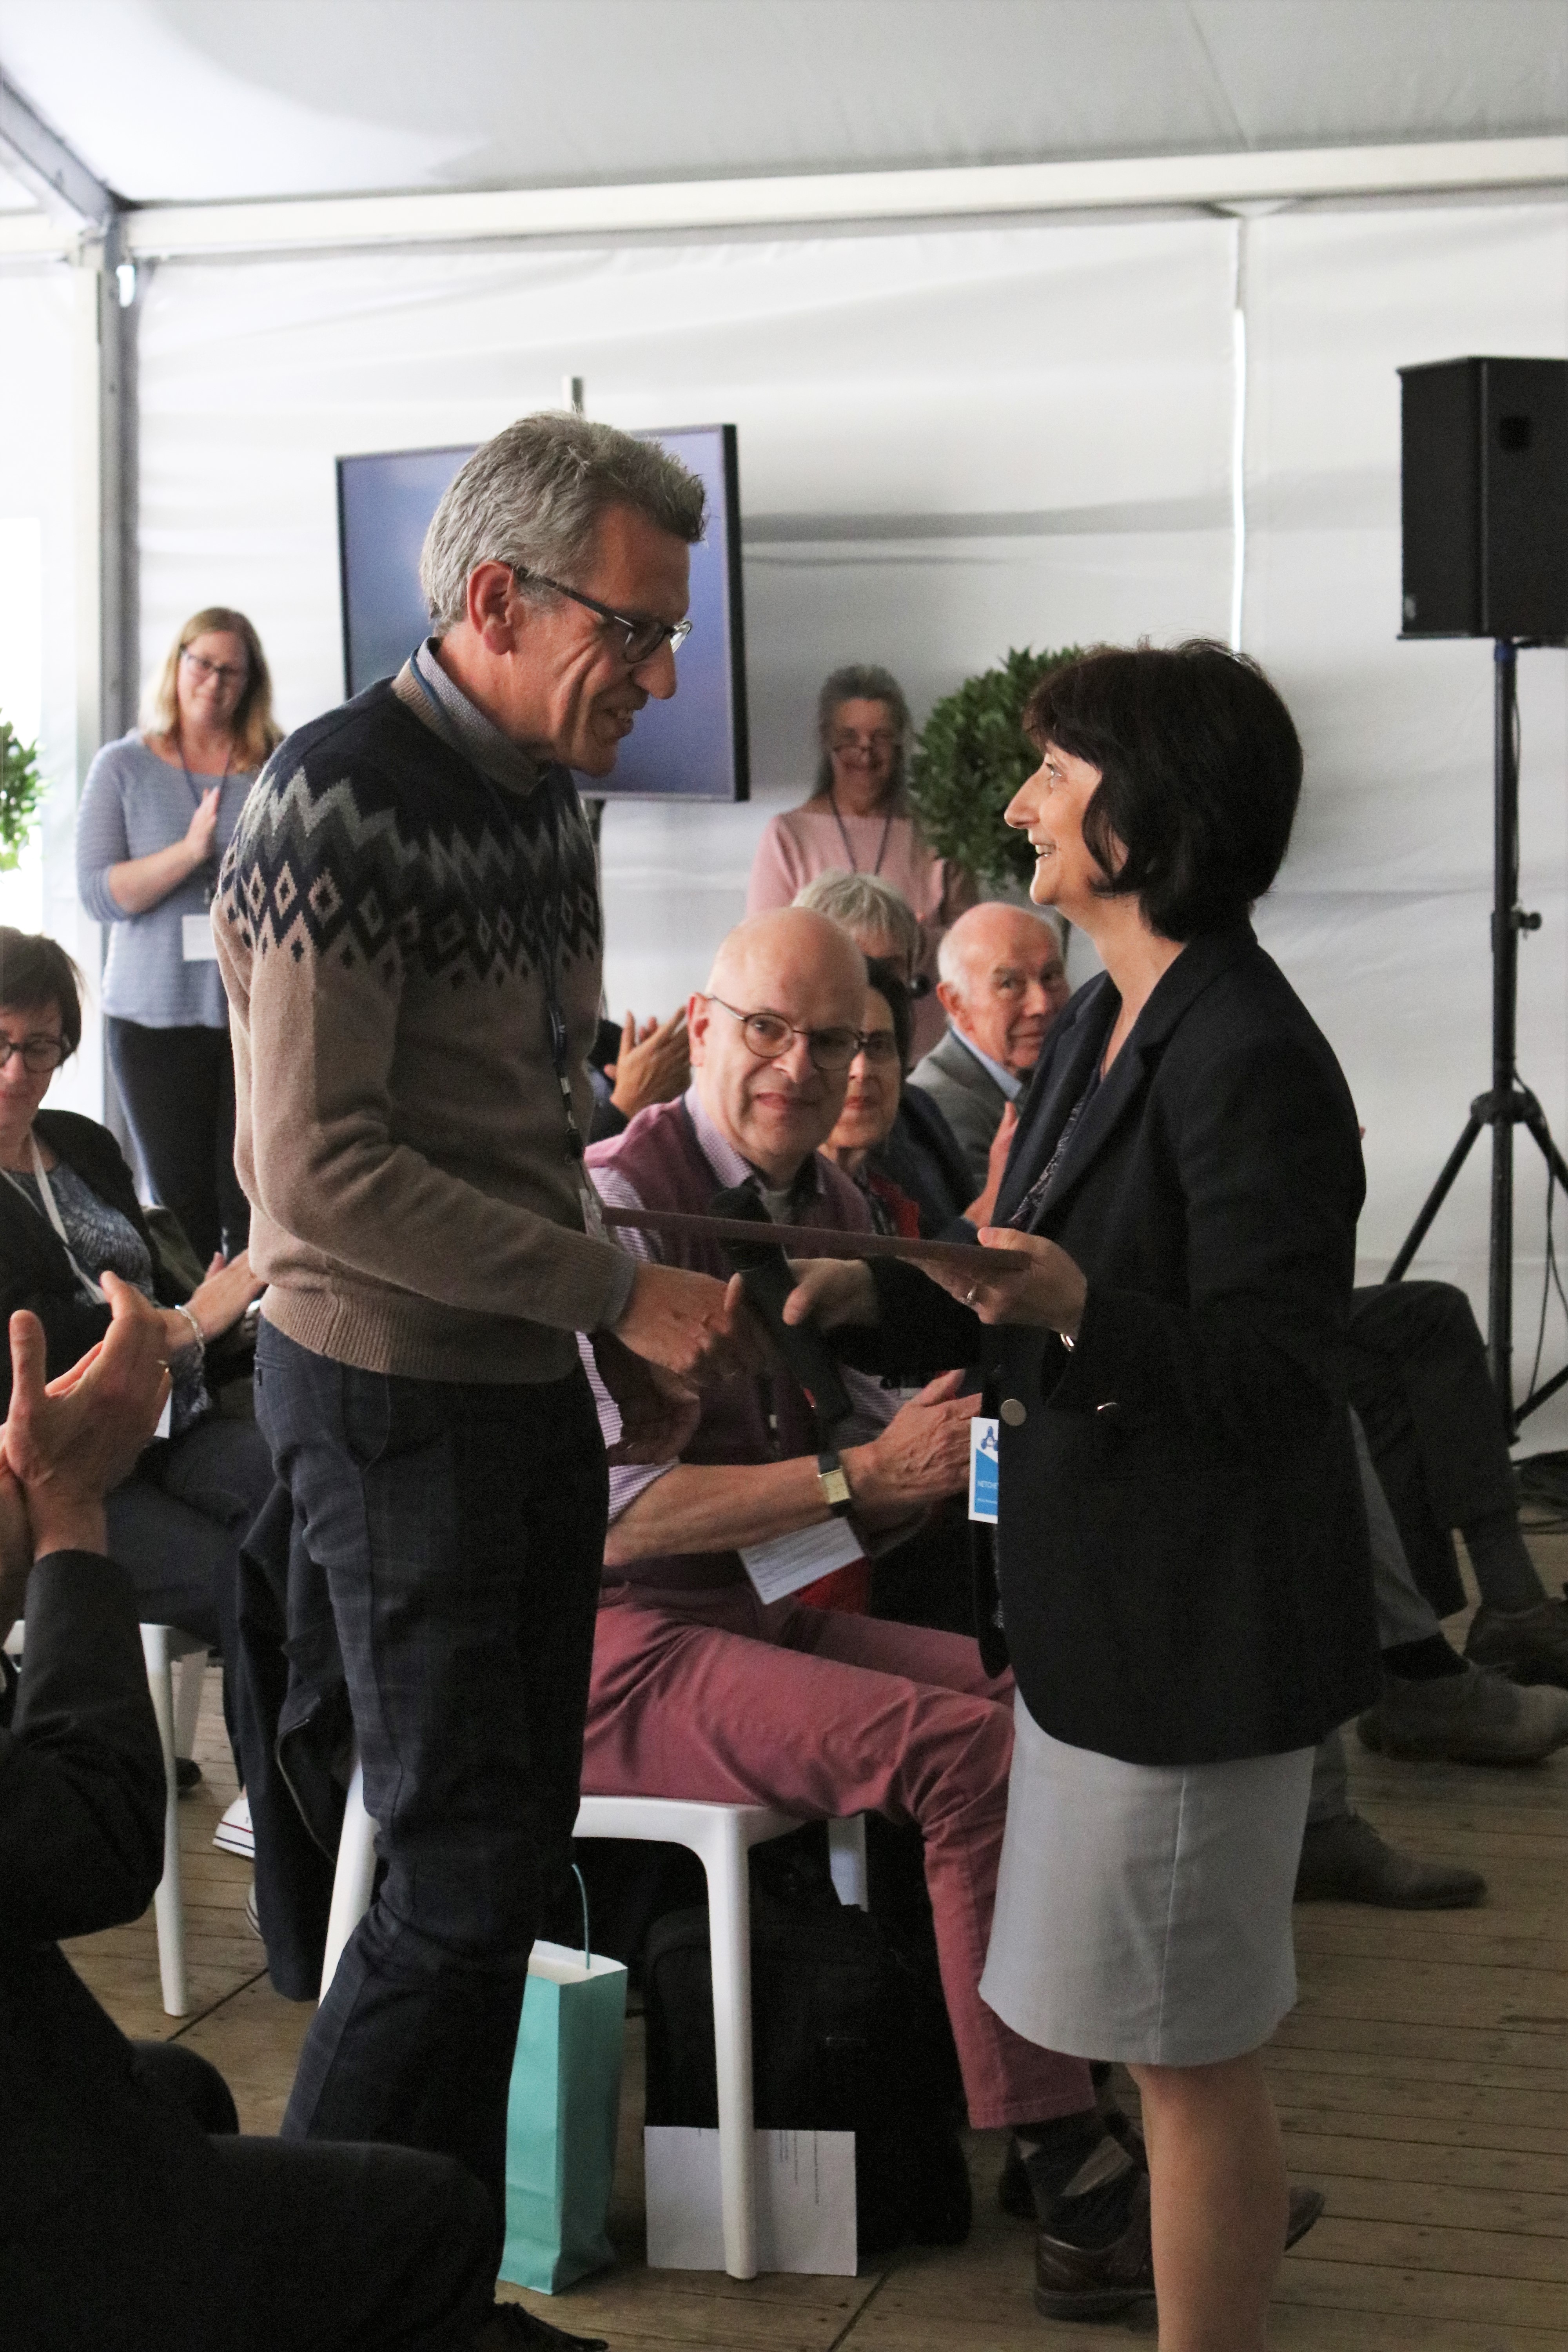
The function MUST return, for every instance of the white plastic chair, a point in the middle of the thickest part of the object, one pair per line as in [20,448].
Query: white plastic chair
[721,1836]
[161,1645]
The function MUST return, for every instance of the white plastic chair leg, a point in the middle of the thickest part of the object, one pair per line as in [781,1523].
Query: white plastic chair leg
[846,1861]
[352,1879]
[188,1685]
[168,1909]
[730,1947]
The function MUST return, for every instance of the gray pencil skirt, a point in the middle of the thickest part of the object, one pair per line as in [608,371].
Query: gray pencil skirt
[1144,1911]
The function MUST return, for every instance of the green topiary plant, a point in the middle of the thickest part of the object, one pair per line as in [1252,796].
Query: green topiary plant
[971,759]
[22,787]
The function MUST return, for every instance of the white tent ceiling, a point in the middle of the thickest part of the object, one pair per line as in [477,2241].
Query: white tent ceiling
[203,101]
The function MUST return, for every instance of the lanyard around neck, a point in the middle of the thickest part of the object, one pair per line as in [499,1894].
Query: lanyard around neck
[51,1210]
[208,863]
[844,834]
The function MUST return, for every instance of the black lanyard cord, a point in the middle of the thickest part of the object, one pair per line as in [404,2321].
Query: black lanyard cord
[844,834]
[209,863]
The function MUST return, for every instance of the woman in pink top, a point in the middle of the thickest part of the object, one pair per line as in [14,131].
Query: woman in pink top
[857,819]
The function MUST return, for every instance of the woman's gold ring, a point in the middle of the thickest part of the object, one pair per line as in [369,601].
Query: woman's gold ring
[972,1294]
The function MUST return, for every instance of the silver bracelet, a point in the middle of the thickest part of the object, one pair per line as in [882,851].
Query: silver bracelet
[199,1336]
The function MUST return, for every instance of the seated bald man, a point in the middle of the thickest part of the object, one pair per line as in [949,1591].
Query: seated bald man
[1003,980]
[703,1689]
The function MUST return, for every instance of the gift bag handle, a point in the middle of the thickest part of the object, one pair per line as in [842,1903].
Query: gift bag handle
[587,1954]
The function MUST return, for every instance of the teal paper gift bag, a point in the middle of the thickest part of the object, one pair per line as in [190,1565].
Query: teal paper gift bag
[561,2118]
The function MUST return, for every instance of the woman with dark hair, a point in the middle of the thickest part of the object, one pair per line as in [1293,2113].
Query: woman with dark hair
[856,821]
[156,814]
[68,1212]
[871,1101]
[1181,1548]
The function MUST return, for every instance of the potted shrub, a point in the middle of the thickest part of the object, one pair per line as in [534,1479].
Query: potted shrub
[22,787]
[971,757]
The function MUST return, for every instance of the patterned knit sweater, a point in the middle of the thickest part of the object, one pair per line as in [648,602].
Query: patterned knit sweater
[400,1131]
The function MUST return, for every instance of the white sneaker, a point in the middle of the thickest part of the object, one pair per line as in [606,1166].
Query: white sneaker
[234,1834]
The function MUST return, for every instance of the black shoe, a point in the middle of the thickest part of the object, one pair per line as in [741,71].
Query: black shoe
[1095,2282]
[1016,2197]
[187,1775]
[1476,1718]
[510,2327]
[1345,1860]
[1528,1645]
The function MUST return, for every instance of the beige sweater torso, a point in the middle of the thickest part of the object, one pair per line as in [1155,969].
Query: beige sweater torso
[400,1131]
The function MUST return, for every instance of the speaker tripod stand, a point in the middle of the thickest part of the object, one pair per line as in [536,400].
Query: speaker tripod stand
[1507,1103]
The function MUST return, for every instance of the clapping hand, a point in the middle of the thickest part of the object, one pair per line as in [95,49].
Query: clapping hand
[68,1442]
[654,1064]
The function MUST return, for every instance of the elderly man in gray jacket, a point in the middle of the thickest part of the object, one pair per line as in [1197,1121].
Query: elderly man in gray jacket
[1003,980]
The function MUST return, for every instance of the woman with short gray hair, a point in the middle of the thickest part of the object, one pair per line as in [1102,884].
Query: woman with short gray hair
[856,821]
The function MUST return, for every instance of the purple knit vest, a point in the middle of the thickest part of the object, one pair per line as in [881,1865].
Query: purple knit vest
[660,1157]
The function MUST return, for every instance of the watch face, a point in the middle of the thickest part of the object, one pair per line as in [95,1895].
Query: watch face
[835,1485]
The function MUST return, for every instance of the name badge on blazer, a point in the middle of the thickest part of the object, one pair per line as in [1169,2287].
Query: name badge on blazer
[985,1482]
[197,944]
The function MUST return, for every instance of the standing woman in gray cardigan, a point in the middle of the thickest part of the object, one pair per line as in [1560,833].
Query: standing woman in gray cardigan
[155,818]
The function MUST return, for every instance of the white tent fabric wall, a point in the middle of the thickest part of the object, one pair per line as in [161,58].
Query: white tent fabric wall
[37,424]
[1382,914]
[953,442]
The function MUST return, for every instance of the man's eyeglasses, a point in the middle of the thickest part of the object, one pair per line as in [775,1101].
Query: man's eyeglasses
[39,1054]
[222,671]
[768,1035]
[641,637]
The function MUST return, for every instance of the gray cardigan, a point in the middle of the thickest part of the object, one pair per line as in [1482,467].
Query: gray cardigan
[132,803]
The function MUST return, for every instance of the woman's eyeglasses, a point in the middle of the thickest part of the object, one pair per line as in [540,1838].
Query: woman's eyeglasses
[224,672]
[39,1054]
[882,740]
[879,1046]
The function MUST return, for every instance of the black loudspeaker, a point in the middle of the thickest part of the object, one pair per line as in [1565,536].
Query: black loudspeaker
[1484,499]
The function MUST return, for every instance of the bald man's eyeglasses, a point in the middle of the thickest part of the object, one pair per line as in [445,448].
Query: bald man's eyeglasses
[768,1035]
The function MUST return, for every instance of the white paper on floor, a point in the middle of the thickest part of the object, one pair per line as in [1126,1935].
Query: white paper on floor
[805,2200]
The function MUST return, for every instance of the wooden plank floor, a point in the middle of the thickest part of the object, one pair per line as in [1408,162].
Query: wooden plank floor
[1422,2081]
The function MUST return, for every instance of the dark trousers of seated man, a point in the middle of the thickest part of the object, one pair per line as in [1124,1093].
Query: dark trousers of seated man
[1418,1378]
[460,1528]
[168,2233]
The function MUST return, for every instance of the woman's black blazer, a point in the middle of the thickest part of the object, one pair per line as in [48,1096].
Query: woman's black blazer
[1182,1548]
[35,1271]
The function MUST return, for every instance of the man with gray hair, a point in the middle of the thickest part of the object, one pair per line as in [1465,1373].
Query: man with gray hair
[408,926]
[1002,982]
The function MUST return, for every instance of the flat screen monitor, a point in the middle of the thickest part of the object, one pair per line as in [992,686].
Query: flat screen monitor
[692,748]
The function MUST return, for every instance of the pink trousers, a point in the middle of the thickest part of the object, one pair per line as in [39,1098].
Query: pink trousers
[717,1697]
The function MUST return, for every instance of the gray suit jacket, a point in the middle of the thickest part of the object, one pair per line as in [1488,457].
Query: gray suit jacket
[968,1097]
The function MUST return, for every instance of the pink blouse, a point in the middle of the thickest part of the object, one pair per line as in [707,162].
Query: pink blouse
[806,842]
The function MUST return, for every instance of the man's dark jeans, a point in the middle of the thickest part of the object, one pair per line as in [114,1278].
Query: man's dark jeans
[461,1530]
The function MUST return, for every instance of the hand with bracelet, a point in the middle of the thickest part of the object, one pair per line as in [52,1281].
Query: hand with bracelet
[213,1308]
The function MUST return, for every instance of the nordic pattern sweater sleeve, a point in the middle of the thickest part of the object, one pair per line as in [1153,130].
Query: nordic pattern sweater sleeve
[384,924]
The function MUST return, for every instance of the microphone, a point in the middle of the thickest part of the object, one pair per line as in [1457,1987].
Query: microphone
[764,1271]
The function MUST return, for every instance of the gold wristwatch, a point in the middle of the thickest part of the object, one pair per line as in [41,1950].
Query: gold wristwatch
[835,1485]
